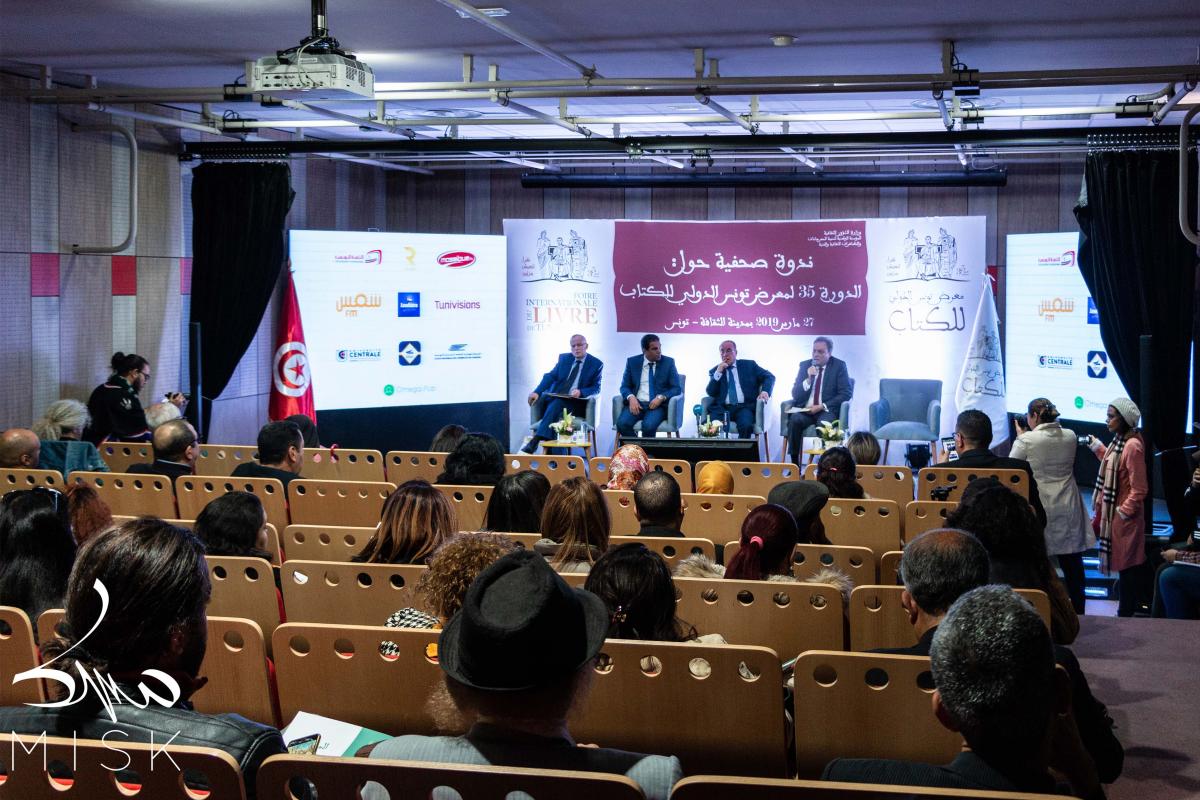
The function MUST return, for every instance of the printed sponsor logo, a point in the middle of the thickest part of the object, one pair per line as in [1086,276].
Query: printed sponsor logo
[410,353]
[456,259]
[1078,402]
[1097,364]
[348,305]
[369,257]
[457,305]
[1049,309]
[389,390]
[1065,259]
[359,355]
[408,304]
[1056,362]
[458,352]
[1093,313]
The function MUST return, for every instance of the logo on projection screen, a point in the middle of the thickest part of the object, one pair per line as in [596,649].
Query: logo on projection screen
[1097,363]
[408,304]
[1066,259]
[410,354]
[1093,313]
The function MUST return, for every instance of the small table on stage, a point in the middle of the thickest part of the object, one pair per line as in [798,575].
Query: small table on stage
[550,446]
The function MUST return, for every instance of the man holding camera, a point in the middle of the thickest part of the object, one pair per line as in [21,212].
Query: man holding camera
[972,437]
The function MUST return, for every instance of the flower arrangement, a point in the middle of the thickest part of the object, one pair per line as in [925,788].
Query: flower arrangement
[831,433]
[565,427]
[710,427]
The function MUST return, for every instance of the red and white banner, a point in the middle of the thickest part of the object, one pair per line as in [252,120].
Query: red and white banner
[291,385]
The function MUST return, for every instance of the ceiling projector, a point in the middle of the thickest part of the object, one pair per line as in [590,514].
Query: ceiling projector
[318,76]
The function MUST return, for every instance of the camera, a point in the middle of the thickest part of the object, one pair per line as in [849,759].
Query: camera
[941,493]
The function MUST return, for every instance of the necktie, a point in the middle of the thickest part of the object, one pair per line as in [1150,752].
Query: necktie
[816,392]
[731,379]
[571,378]
[651,390]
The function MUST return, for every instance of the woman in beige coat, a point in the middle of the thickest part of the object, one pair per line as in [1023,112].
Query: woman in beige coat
[1050,450]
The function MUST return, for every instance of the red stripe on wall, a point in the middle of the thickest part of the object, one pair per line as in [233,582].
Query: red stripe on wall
[185,276]
[43,274]
[124,276]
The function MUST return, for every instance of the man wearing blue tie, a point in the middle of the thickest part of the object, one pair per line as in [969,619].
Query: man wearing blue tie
[650,381]
[737,384]
[576,375]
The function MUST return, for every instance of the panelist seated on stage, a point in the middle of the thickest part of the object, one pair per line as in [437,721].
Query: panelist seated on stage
[822,385]
[650,381]
[736,384]
[576,374]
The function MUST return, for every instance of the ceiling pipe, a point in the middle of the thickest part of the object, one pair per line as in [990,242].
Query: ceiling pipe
[131,235]
[577,180]
[371,162]
[803,159]
[156,119]
[549,119]
[705,100]
[1161,114]
[1185,172]
[387,126]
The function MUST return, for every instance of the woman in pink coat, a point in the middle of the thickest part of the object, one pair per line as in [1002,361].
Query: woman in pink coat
[1121,490]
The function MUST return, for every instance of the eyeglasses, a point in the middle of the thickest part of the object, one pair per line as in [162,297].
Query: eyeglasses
[54,495]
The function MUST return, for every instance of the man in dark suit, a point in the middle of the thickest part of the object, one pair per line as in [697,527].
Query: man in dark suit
[739,396]
[650,380]
[972,437]
[576,374]
[997,685]
[822,385]
[175,451]
[658,506]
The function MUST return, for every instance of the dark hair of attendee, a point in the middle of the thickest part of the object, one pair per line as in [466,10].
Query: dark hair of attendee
[446,439]
[1043,410]
[648,340]
[864,447]
[769,536]
[836,469]
[1004,523]
[478,460]
[635,584]
[36,551]
[828,342]
[656,498]
[414,521]
[576,516]
[517,502]
[308,429]
[173,438]
[975,427]
[275,438]
[941,565]
[157,584]
[123,363]
[230,525]
[89,514]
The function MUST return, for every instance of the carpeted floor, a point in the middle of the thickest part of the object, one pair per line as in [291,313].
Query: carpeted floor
[1147,671]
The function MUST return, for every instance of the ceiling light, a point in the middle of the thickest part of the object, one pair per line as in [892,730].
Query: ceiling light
[448,113]
[491,11]
[975,103]
[782,39]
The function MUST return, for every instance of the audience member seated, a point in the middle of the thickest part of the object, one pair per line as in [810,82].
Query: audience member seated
[59,429]
[715,478]
[864,447]
[176,449]
[36,550]
[477,460]
[162,412]
[20,448]
[89,514]
[308,429]
[452,569]
[1178,580]
[517,502]
[658,505]
[446,439]
[804,499]
[280,454]
[836,469]
[1004,523]
[972,437]
[517,659]
[575,526]
[942,565]
[151,629]
[627,467]
[414,521]
[234,524]
[997,685]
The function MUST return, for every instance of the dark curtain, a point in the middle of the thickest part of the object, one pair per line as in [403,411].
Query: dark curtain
[238,213]
[1141,272]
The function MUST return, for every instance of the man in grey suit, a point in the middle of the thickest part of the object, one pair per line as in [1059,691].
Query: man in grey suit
[822,385]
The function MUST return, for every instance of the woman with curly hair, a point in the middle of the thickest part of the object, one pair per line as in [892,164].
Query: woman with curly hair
[627,467]
[415,520]
[477,460]
[89,514]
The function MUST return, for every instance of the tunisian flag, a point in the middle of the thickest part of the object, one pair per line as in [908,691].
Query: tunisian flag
[291,391]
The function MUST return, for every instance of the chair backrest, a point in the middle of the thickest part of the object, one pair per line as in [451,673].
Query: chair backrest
[931,477]
[673,550]
[15,480]
[678,468]
[717,517]
[132,495]
[757,477]
[18,652]
[355,503]
[345,777]
[858,563]
[719,787]
[925,515]
[470,504]
[350,593]
[223,459]
[909,398]
[92,763]
[878,620]
[236,665]
[324,542]
[863,523]
[864,705]
[343,464]
[889,567]
[886,483]
[120,456]
[557,468]
[662,697]
[244,588]
[357,684]
[622,512]
[197,491]
[412,465]
[785,616]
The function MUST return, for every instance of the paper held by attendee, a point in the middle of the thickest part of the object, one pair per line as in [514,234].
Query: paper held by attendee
[337,738]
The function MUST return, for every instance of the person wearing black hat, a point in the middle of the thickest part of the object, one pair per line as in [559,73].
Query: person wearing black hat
[517,658]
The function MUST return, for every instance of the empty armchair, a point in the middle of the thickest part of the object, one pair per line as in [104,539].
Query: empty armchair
[907,409]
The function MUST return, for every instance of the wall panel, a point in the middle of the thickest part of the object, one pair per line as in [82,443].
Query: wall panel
[19,350]
[598,203]
[1028,204]
[510,201]
[849,203]
[14,169]
[321,214]
[85,327]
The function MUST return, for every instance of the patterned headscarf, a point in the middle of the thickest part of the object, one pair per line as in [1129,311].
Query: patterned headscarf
[628,466]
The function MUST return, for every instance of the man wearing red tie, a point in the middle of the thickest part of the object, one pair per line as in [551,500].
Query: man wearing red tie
[822,385]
